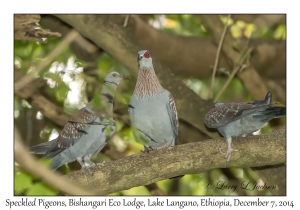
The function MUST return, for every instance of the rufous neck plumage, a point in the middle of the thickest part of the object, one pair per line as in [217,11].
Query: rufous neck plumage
[147,84]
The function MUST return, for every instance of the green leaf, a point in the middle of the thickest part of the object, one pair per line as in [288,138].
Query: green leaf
[62,91]
[22,181]
[107,130]
[41,189]
[53,76]
[45,161]
[119,125]
[96,100]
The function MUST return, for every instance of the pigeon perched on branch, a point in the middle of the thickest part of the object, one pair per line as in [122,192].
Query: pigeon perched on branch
[152,109]
[85,133]
[242,119]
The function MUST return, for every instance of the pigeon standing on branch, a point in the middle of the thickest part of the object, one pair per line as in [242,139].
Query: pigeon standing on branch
[152,109]
[85,133]
[242,119]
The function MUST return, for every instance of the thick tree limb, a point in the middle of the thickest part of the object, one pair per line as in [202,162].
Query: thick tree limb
[181,53]
[262,20]
[193,56]
[83,48]
[26,28]
[192,158]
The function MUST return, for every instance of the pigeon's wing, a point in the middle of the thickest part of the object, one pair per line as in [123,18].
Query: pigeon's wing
[226,113]
[76,127]
[171,109]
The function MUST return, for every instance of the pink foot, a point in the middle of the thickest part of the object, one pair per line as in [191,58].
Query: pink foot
[164,146]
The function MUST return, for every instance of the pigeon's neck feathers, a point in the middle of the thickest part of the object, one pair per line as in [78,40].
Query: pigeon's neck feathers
[109,88]
[106,98]
[147,84]
[107,94]
[146,63]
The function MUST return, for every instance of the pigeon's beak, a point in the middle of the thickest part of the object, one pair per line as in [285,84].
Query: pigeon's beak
[140,57]
[123,77]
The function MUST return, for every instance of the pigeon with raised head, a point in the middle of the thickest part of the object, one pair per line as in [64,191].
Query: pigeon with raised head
[86,132]
[152,108]
[242,119]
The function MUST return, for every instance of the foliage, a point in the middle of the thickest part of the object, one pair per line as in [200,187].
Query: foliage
[29,184]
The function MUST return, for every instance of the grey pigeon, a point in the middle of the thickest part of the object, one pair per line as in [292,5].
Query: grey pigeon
[242,119]
[152,109]
[85,133]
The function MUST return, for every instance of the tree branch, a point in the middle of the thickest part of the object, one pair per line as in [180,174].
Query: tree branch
[26,27]
[250,78]
[166,47]
[217,57]
[191,158]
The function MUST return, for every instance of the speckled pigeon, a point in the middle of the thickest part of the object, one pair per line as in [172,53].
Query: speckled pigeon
[152,109]
[242,119]
[85,133]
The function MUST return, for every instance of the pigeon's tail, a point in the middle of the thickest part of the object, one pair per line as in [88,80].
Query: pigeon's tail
[270,113]
[41,149]
[267,100]
[56,163]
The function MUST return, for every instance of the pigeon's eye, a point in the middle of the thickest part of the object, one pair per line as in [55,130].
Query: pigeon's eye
[114,75]
[147,54]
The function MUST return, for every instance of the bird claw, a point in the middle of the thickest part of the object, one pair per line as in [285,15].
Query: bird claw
[101,164]
[228,153]
[147,149]
[86,169]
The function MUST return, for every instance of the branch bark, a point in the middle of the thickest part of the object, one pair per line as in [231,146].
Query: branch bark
[26,28]
[262,20]
[194,56]
[191,158]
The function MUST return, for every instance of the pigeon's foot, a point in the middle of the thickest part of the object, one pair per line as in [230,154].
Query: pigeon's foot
[147,149]
[85,168]
[164,146]
[101,164]
[228,153]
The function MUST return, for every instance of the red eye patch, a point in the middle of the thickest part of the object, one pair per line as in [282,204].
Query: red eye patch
[147,54]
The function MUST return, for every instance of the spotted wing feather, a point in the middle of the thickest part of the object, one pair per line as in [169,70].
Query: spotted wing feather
[226,113]
[75,128]
[171,108]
